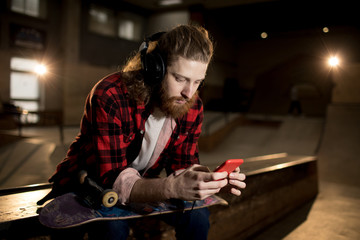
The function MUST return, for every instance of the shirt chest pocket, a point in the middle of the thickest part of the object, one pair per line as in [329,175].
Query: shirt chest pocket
[181,138]
[127,138]
[128,133]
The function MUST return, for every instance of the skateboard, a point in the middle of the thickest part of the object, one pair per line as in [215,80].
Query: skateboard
[96,204]
[70,210]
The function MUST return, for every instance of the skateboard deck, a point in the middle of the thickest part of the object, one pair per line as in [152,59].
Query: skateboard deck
[69,210]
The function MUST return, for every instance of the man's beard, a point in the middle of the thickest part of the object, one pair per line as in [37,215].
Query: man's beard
[175,110]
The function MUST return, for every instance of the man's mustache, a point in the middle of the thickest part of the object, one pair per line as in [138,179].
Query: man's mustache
[178,99]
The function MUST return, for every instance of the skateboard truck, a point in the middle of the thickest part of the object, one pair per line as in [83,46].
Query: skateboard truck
[94,195]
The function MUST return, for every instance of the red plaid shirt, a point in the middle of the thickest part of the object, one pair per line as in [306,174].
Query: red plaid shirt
[111,133]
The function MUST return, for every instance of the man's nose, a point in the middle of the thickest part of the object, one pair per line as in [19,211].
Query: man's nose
[187,91]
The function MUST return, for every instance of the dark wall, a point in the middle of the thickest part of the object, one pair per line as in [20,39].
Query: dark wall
[295,51]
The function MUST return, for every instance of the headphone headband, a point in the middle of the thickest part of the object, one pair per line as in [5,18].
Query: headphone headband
[155,36]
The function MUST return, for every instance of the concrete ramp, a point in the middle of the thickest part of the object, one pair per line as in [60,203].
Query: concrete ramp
[293,136]
[339,153]
[25,162]
[296,136]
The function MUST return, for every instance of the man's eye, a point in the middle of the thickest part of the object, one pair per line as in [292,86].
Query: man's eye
[179,79]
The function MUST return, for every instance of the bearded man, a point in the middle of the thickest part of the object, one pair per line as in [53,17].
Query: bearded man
[142,120]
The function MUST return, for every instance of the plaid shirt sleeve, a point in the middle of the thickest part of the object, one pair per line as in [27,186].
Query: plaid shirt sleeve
[100,148]
[110,111]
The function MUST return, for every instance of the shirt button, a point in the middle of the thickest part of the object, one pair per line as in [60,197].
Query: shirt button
[141,131]
[178,137]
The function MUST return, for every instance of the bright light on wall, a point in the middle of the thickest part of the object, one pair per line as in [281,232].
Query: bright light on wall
[169,2]
[333,61]
[40,69]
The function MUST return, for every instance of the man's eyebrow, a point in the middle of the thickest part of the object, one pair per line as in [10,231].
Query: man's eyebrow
[179,75]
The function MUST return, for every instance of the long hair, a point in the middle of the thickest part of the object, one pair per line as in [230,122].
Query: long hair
[187,41]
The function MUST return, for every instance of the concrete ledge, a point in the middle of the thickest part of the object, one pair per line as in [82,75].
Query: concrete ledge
[18,213]
[271,193]
[276,185]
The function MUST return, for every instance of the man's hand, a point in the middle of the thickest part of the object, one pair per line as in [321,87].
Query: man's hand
[196,183]
[193,183]
[236,182]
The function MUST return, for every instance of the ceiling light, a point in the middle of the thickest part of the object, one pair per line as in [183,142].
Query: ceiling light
[264,35]
[333,61]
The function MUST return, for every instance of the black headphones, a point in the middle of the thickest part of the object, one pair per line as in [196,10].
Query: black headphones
[152,63]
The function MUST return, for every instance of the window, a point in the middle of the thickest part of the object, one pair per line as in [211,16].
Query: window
[34,8]
[25,87]
[126,29]
[130,26]
[115,24]
[102,21]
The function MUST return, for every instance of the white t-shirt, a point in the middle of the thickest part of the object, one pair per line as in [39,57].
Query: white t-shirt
[153,126]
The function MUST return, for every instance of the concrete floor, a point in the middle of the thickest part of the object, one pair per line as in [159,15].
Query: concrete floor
[334,214]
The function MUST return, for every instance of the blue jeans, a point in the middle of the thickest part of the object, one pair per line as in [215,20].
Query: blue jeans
[188,225]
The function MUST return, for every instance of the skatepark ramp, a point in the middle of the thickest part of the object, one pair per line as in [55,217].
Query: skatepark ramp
[340,145]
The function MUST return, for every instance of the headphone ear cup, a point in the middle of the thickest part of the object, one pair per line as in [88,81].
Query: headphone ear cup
[154,68]
[153,63]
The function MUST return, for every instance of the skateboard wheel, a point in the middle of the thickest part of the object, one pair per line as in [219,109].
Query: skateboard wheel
[109,198]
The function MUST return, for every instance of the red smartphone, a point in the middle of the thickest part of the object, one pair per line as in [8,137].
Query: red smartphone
[229,165]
